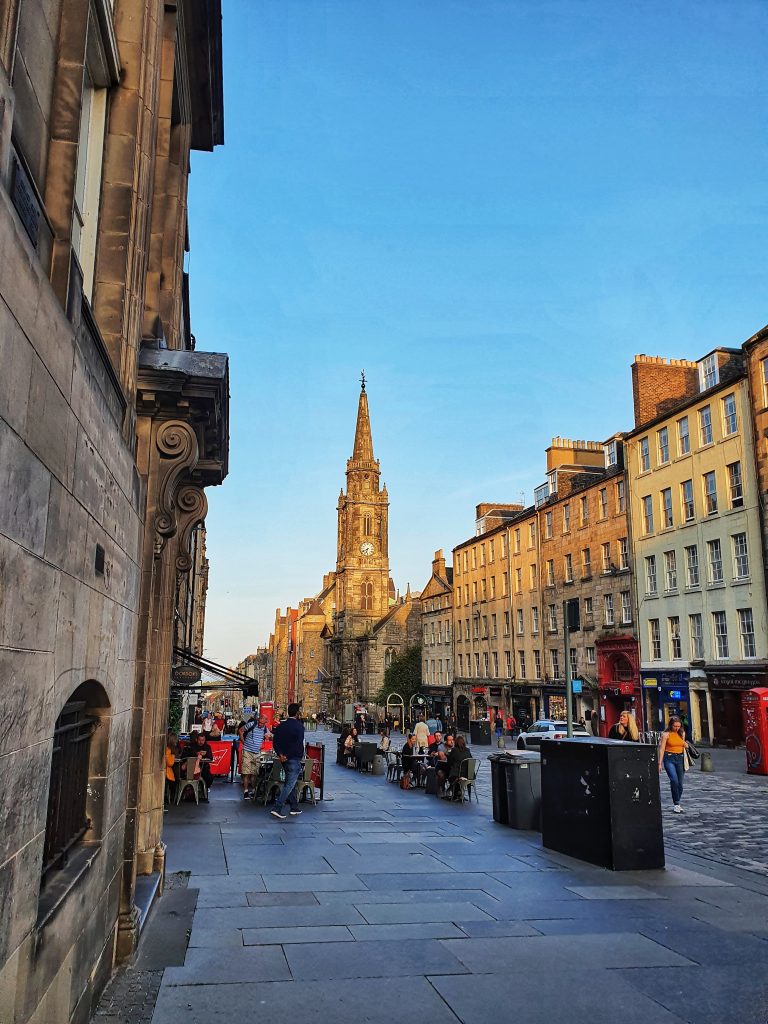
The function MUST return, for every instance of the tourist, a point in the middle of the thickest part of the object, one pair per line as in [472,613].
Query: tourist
[171,753]
[199,748]
[672,759]
[441,762]
[499,724]
[454,761]
[252,736]
[421,734]
[349,746]
[384,741]
[409,761]
[625,729]
[288,739]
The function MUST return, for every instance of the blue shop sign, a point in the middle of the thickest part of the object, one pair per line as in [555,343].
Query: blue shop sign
[665,679]
[576,684]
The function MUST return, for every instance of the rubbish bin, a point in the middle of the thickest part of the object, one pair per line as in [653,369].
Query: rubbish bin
[601,802]
[522,769]
[480,733]
[499,788]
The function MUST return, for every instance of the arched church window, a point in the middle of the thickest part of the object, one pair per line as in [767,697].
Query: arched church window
[367,525]
[367,595]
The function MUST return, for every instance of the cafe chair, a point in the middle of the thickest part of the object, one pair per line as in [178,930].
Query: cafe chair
[190,782]
[271,786]
[467,780]
[305,782]
[394,766]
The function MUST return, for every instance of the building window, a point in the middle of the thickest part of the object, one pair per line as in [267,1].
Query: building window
[531,535]
[626,608]
[550,572]
[482,555]
[518,580]
[506,623]
[367,595]
[461,669]
[517,541]
[586,563]
[477,666]
[494,627]
[504,584]
[490,551]
[476,626]
[554,661]
[590,655]
[583,510]
[552,618]
[621,500]
[483,588]
[474,558]
[650,576]
[708,372]
[654,635]
[503,545]
[508,663]
[663,439]
[670,570]
[747,633]
[715,559]
[686,493]
[532,576]
[705,425]
[537,664]
[534,620]
[495,665]
[90,151]
[645,455]
[458,597]
[692,566]
[367,526]
[466,593]
[623,553]
[474,591]
[720,634]
[521,662]
[568,566]
[567,517]
[735,486]
[574,663]
[647,515]
[548,525]
[587,607]
[675,646]
[608,619]
[710,493]
[605,554]
[696,634]
[683,437]
[520,622]
[729,415]
[603,495]
[611,454]
[466,629]
[67,819]
[464,561]
[740,556]
[666,508]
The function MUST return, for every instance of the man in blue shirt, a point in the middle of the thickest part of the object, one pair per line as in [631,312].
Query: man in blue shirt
[252,735]
[288,740]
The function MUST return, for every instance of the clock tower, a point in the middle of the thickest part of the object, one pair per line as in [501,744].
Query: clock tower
[362,553]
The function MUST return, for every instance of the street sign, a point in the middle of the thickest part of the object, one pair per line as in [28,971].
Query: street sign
[577,688]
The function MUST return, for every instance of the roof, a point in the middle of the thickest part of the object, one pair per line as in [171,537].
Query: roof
[686,403]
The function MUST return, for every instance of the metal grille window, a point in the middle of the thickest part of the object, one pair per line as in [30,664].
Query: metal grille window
[705,425]
[675,647]
[663,437]
[735,485]
[683,436]
[650,575]
[720,633]
[710,493]
[654,634]
[740,556]
[747,633]
[729,414]
[66,820]
[692,566]
[697,637]
[715,561]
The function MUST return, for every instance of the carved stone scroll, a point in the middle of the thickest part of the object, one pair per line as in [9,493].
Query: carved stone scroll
[177,443]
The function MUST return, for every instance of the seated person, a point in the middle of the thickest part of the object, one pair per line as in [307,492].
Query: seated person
[435,746]
[349,747]
[384,741]
[198,747]
[410,764]
[171,769]
[454,761]
[441,761]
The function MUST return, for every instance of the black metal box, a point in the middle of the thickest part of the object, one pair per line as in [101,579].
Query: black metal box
[601,802]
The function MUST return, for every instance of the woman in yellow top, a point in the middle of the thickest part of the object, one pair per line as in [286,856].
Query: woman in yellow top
[672,759]
[171,753]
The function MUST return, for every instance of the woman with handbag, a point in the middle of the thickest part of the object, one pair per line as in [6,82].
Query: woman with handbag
[672,759]
[625,729]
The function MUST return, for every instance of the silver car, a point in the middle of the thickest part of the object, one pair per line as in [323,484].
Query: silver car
[547,729]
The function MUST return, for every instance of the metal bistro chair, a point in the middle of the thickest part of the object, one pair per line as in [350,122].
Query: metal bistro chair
[270,785]
[467,780]
[306,782]
[394,766]
[365,755]
[190,782]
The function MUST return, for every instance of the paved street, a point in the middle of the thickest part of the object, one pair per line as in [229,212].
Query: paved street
[378,902]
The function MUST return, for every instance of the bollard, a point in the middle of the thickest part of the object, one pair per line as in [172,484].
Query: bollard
[706,761]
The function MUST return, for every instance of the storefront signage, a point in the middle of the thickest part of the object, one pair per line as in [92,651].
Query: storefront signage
[576,685]
[478,689]
[187,674]
[735,681]
[676,694]
[664,679]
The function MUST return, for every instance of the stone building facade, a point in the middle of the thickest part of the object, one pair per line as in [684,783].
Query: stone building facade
[437,637]
[111,426]
[696,510]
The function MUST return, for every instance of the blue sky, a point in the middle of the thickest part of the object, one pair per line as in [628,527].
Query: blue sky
[491,206]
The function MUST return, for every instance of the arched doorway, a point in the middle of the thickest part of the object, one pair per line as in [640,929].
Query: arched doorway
[462,713]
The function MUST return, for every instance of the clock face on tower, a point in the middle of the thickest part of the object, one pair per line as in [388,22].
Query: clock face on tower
[366,548]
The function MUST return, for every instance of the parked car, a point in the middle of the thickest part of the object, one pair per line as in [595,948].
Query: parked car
[547,729]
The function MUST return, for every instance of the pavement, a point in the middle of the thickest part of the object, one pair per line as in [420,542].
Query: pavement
[380,903]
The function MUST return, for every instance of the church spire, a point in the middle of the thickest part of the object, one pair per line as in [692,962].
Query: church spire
[363,450]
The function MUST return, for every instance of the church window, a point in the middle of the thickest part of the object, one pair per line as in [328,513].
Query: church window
[367,595]
[367,525]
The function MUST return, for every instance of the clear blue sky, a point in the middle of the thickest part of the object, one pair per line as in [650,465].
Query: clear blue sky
[491,206]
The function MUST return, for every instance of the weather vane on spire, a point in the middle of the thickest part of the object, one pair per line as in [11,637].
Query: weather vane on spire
[362,380]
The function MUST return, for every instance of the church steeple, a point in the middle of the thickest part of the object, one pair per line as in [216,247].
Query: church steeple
[363,448]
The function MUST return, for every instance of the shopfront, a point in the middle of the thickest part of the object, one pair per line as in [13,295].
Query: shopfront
[438,701]
[666,693]
[618,681]
[726,687]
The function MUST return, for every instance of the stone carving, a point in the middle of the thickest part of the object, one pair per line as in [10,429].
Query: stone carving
[177,443]
[193,507]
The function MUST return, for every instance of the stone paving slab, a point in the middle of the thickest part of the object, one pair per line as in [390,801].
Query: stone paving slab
[705,995]
[373,960]
[248,963]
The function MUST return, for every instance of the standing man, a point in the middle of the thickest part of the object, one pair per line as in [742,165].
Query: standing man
[252,735]
[288,740]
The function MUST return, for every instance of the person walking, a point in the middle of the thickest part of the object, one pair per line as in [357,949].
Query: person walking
[288,741]
[625,729]
[672,759]
[252,735]
[421,734]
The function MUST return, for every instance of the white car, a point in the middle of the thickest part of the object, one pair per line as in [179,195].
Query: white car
[547,729]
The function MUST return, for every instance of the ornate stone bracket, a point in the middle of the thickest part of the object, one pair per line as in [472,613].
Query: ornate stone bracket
[177,443]
[193,506]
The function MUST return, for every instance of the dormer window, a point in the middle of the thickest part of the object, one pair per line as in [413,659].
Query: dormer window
[709,372]
[611,454]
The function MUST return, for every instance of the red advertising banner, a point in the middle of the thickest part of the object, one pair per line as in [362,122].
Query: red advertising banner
[317,752]
[222,756]
[267,709]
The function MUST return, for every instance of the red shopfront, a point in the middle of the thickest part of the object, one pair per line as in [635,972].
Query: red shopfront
[618,681]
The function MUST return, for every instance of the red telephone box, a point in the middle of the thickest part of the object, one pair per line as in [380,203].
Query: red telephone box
[754,710]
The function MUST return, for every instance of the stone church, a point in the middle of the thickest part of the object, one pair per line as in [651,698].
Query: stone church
[367,624]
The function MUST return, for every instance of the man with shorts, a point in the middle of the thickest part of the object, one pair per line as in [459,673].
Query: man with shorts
[252,736]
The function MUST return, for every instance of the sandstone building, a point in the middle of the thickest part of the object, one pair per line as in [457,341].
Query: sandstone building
[437,638]
[111,426]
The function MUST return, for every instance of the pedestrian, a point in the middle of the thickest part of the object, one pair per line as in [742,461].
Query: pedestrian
[421,734]
[252,736]
[452,726]
[288,741]
[499,724]
[625,729]
[672,759]
[409,763]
